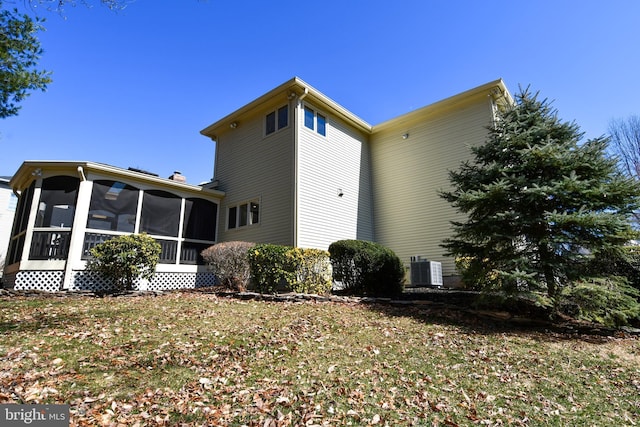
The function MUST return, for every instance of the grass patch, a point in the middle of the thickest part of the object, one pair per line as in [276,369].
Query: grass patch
[197,359]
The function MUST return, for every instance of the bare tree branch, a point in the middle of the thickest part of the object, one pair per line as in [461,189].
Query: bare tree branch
[625,145]
[58,6]
[625,142]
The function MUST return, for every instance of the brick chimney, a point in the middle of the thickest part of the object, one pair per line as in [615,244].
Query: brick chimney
[178,177]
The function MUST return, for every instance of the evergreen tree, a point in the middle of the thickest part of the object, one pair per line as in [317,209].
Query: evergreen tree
[19,54]
[539,204]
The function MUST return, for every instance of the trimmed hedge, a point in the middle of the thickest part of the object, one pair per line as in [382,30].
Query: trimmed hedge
[272,267]
[283,268]
[228,260]
[313,272]
[366,268]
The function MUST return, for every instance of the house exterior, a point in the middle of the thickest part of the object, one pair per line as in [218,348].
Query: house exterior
[292,167]
[315,172]
[304,160]
[8,203]
[67,207]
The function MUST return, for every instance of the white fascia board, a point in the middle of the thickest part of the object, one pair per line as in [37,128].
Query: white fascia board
[28,167]
[294,86]
[501,95]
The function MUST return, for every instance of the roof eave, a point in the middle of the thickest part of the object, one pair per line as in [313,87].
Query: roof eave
[28,168]
[293,87]
[496,89]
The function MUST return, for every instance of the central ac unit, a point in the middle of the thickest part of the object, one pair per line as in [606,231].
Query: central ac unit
[425,272]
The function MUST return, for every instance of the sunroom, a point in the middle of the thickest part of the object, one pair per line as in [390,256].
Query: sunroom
[66,208]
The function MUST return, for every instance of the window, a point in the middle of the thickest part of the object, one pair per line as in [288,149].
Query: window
[199,219]
[277,120]
[244,214]
[21,217]
[283,117]
[56,209]
[254,208]
[271,123]
[233,217]
[20,222]
[308,118]
[160,213]
[315,121]
[322,125]
[57,204]
[113,206]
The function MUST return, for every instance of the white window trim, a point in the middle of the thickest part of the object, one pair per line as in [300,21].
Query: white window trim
[315,120]
[275,111]
[250,222]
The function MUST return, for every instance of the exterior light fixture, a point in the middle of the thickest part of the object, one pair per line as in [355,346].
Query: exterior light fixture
[340,193]
[233,125]
[405,135]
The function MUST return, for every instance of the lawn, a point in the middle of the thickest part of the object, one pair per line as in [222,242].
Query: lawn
[198,359]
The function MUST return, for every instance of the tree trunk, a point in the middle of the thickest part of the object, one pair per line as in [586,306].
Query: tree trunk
[547,270]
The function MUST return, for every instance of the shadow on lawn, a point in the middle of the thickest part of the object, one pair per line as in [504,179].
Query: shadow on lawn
[523,318]
[41,321]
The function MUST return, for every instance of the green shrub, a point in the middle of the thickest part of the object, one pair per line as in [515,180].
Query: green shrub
[273,267]
[535,305]
[229,261]
[483,275]
[125,259]
[474,273]
[624,262]
[609,301]
[284,268]
[366,268]
[313,271]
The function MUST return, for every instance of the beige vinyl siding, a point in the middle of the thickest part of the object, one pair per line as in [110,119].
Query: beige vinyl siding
[410,217]
[259,167]
[339,161]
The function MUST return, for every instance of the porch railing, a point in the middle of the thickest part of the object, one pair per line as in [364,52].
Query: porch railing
[167,255]
[91,240]
[190,253]
[49,245]
[169,251]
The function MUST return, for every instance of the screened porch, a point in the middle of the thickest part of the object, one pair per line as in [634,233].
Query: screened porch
[61,215]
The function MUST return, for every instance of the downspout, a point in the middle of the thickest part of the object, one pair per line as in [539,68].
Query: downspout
[494,94]
[81,173]
[296,191]
[304,94]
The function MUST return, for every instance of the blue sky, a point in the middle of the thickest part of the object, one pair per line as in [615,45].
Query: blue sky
[134,88]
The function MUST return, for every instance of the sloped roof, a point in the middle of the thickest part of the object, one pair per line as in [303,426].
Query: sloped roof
[297,87]
[29,168]
[495,89]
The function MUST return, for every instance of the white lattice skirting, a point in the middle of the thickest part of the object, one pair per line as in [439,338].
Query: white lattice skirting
[51,281]
[39,280]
